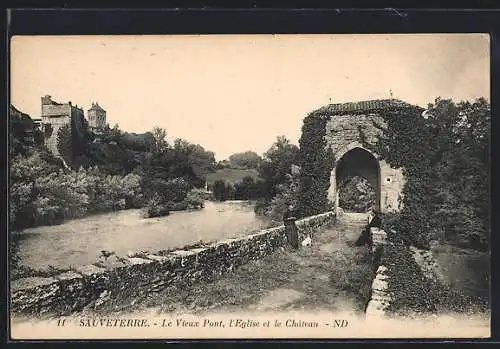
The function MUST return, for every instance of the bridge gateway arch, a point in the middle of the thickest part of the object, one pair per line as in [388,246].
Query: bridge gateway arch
[343,135]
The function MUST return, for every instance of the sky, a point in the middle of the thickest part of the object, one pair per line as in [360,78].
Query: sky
[233,93]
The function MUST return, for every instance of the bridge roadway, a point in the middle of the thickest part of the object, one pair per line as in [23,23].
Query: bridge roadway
[312,278]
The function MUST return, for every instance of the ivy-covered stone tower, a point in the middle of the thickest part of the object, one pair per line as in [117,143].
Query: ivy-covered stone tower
[348,127]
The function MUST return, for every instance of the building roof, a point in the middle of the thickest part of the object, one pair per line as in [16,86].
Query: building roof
[18,112]
[363,107]
[96,106]
[15,109]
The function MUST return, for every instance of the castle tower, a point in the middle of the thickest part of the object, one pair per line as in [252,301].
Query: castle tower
[54,116]
[97,117]
[343,135]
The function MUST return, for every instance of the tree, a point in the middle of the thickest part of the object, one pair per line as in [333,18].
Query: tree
[220,190]
[288,193]
[48,129]
[222,165]
[160,143]
[65,144]
[445,156]
[248,159]
[19,127]
[248,189]
[191,161]
[276,165]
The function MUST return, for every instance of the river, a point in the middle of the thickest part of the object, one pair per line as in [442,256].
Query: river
[79,242]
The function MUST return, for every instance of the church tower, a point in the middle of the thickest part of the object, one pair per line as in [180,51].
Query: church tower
[97,117]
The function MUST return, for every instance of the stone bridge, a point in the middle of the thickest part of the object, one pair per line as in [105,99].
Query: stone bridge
[145,273]
[93,285]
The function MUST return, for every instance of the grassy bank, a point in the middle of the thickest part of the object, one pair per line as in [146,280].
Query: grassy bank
[232,175]
[414,293]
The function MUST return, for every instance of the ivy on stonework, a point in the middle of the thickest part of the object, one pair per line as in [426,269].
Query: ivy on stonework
[316,163]
[443,153]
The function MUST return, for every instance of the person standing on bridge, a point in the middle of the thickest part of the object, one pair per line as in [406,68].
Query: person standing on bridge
[374,221]
[291,231]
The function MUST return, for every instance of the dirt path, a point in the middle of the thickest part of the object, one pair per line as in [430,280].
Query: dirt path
[312,278]
[311,287]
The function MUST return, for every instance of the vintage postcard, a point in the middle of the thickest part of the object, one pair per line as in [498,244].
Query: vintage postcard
[249,186]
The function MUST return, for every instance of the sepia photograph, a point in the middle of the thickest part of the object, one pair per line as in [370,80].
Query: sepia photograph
[249,186]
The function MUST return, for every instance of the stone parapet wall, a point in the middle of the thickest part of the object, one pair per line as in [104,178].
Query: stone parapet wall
[90,286]
[380,298]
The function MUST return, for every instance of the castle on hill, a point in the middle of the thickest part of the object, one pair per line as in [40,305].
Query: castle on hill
[55,115]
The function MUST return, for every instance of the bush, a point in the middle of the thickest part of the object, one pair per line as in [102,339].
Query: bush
[171,195]
[261,207]
[174,190]
[195,198]
[155,208]
[248,189]
[223,191]
[40,196]
[357,195]
[59,197]
[177,206]
[157,211]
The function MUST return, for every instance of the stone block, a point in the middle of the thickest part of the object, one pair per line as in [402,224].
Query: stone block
[182,252]
[137,260]
[157,258]
[379,285]
[30,283]
[90,270]
[69,275]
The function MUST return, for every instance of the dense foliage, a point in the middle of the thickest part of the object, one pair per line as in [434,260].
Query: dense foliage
[413,293]
[109,170]
[287,194]
[316,163]
[246,189]
[275,169]
[248,159]
[41,196]
[356,195]
[22,134]
[445,156]
[277,163]
[65,144]
[222,191]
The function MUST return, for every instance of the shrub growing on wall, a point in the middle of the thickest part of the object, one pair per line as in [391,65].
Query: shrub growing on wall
[316,163]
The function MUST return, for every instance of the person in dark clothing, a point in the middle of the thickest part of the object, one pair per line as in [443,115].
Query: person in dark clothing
[292,234]
[374,221]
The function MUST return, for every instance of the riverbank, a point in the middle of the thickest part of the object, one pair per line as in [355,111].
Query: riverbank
[331,274]
[80,241]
